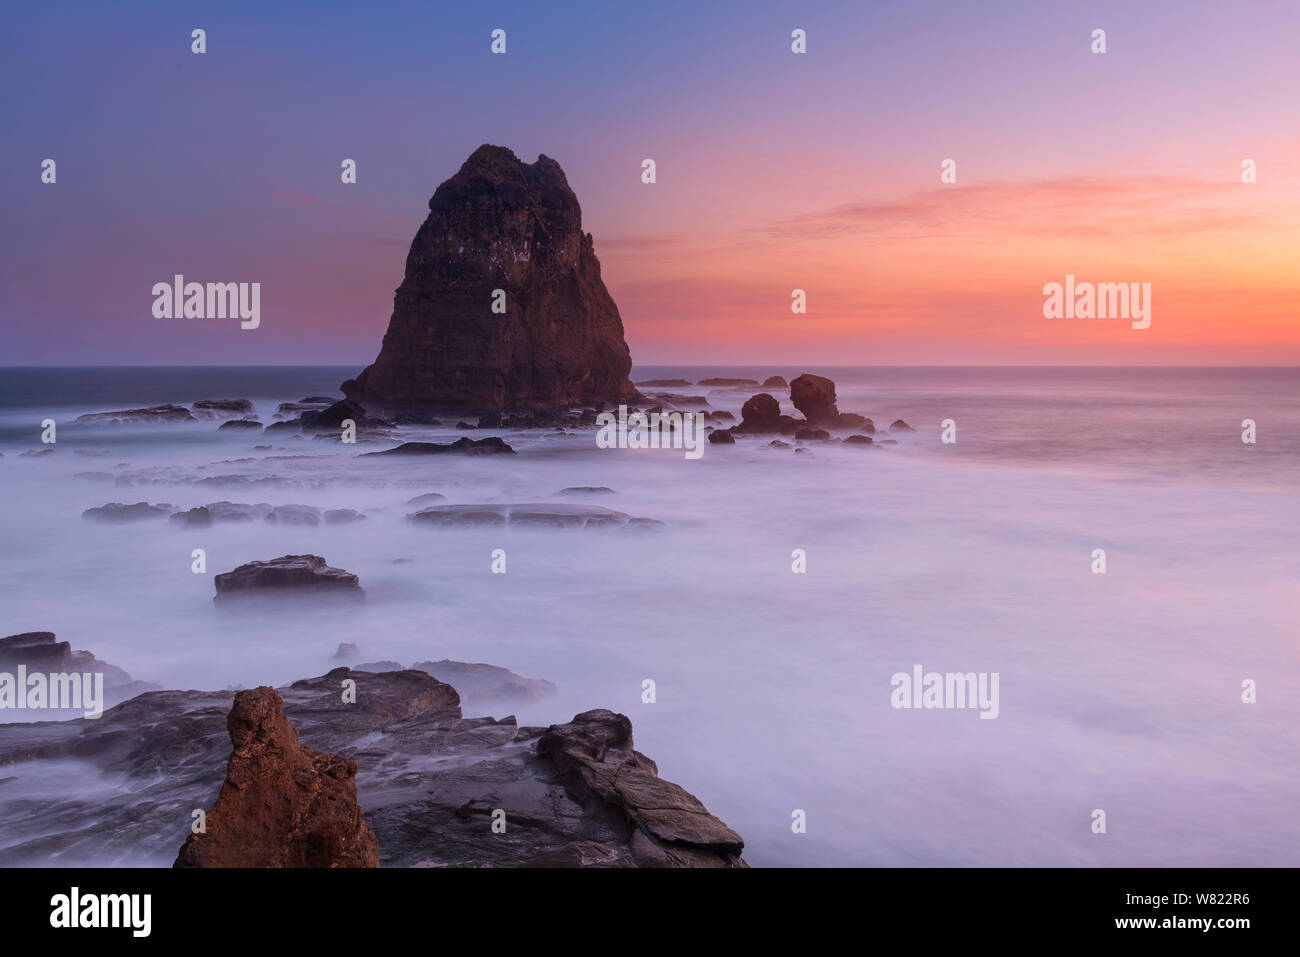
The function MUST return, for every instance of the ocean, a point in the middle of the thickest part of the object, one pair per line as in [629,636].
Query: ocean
[1119,692]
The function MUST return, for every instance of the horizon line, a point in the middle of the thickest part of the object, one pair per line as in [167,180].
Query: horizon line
[676,365]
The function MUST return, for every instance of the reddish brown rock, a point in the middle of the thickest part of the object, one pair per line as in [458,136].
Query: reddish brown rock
[499,223]
[814,396]
[281,805]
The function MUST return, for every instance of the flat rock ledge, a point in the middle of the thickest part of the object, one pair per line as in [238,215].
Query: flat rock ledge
[306,575]
[428,781]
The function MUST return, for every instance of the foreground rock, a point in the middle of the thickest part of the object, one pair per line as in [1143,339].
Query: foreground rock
[428,781]
[282,805]
[306,575]
[502,224]
[117,512]
[594,754]
[530,515]
[492,446]
[157,413]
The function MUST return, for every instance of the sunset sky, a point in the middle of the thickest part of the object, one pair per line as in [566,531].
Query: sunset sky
[775,171]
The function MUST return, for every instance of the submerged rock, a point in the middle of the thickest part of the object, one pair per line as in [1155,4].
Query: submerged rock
[761,414]
[282,804]
[426,498]
[487,683]
[536,515]
[198,515]
[289,574]
[233,406]
[728,382]
[338,413]
[157,413]
[811,435]
[489,446]
[294,515]
[502,224]
[117,512]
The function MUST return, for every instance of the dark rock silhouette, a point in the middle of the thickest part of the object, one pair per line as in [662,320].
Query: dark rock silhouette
[762,414]
[282,804]
[670,827]
[665,383]
[728,382]
[118,512]
[290,574]
[223,405]
[490,446]
[40,651]
[530,514]
[814,396]
[499,224]
[775,382]
[157,413]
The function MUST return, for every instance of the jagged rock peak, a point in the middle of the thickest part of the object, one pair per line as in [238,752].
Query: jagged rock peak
[502,305]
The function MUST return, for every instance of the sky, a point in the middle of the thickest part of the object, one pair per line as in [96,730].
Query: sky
[775,171]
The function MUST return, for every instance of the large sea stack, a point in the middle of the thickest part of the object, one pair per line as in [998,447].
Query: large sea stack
[499,224]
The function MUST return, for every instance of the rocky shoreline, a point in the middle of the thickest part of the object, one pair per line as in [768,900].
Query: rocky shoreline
[391,775]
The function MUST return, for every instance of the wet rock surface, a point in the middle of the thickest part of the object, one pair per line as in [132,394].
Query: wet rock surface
[306,575]
[489,446]
[428,780]
[537,515]
[282,804]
